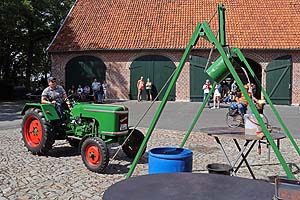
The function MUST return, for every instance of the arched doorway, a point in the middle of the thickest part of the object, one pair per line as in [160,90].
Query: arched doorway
[155,67]
[245,75]
[82,70]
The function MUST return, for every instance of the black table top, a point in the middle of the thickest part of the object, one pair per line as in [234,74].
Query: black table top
[238,133]
[186,186]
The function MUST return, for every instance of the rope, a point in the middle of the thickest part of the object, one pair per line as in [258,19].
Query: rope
[143,116]
[212,16]
[210,53]
[153,101]
[212,49]
[246,75]
[209,57]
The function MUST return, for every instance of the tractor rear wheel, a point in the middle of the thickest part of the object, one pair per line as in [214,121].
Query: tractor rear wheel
[132,145]
[95,154]
[36,132]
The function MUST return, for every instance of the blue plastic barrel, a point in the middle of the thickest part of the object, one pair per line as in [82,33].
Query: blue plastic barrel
[170,159]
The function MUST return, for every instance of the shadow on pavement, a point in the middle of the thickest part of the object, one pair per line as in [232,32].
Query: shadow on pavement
[11,111]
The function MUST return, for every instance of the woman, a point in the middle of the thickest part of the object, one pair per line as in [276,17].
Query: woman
[217,96]
[149,90]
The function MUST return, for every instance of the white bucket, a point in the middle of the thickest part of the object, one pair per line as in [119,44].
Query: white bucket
[252,127]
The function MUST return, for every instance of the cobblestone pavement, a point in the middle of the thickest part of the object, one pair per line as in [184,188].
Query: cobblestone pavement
[62,174]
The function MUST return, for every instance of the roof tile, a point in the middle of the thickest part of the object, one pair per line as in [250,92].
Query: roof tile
[168,24]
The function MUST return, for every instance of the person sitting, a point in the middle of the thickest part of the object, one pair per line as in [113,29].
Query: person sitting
[86,92]
[56,95]
[71,91]
[228,97]
[241,101]
[79,92]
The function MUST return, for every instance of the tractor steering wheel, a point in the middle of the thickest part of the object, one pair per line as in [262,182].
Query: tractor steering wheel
[71,100]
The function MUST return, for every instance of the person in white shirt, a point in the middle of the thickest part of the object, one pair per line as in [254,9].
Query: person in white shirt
[206,87]
[149,90]
[217,96]
[79,92]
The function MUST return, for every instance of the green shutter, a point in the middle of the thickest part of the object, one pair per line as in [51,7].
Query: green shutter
[278,82]
[157,68]
[197,77]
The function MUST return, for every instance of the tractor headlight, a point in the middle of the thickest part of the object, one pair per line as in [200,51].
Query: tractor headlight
[123,127]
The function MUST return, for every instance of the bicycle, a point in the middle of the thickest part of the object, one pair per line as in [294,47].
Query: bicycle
[235,119]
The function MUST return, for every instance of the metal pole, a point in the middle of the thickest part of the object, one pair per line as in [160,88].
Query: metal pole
[222,35]
[222,38]
[198,115]
[287,132]
[211,37]
[193,41]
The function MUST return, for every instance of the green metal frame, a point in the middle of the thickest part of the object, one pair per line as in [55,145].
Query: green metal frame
[204,30]
[266,96]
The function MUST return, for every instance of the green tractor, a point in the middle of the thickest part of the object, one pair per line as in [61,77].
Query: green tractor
[89,127]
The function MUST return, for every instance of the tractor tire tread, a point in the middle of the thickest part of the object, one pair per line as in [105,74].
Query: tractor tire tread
[103,150]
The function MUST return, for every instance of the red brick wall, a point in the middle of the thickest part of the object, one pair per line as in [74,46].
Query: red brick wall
[118,72]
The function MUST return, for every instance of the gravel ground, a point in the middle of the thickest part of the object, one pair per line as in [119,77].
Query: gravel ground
[62,174]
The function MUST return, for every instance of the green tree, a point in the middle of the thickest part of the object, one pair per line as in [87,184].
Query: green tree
[27,28]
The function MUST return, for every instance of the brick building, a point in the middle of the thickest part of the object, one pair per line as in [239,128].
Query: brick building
[121,40]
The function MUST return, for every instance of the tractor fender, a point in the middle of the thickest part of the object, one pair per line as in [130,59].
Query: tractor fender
[83,139]
[49,110]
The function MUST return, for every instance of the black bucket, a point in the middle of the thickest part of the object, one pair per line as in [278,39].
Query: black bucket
[217,168]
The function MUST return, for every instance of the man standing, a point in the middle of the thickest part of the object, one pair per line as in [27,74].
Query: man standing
[100,93]
[140,87]
[56,95]
[206,87]
[233,88]
[95,89]
[105,90]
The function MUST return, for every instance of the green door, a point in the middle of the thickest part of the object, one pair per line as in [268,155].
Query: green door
[155,67]
[278,83]
[197,77]
[83,69]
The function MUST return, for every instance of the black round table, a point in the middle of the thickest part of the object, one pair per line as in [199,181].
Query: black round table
[187,186]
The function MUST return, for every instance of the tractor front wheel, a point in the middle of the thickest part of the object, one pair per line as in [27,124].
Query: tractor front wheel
[94,154]
[36,132]
[133,143]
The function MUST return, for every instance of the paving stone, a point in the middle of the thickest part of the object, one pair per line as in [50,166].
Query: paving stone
[62,174]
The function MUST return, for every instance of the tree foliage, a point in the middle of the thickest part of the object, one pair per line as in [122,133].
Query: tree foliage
[27,28]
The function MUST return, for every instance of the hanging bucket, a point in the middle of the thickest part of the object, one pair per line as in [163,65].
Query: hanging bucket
[170,159]
[218,71]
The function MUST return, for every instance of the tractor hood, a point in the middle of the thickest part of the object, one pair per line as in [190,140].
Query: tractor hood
[86,108]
